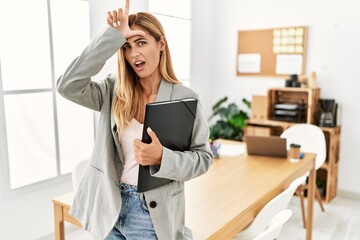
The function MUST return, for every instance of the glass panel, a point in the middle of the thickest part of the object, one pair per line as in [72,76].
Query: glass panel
[75,27]
[30,135]
[178,39]
[172,8]
[76,133]
[24,45]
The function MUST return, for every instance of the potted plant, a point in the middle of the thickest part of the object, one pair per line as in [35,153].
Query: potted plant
[231,120]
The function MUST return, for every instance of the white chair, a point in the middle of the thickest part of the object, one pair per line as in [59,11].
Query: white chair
[78,173]
[275,226]
[276,205]
[312,139]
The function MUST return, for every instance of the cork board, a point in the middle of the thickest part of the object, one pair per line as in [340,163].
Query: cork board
[276,52]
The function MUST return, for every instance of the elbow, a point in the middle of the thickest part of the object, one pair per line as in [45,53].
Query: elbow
[66,88]
[60,86]
[209,161]
[206,160]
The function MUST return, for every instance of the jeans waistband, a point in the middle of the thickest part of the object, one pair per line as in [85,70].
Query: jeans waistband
[124,187]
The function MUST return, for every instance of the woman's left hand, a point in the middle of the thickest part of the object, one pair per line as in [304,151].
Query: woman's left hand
[148,154]
[120,20]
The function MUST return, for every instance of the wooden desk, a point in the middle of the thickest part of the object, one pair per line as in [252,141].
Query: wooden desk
[227,198]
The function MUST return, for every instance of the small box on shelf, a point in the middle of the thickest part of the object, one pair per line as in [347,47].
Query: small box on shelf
[259,107]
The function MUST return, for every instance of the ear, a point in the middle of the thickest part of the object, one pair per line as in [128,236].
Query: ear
[162,43]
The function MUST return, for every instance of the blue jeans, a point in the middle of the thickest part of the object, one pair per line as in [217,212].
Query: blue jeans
[134,222]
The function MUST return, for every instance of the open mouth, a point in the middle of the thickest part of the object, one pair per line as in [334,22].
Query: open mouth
[139,65]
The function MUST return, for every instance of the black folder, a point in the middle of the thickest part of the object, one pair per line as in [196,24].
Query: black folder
[173,122]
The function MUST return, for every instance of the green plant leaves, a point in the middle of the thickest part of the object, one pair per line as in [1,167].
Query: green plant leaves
[225,130]
[246,102]
[231,122]
[218,104]
[238,120]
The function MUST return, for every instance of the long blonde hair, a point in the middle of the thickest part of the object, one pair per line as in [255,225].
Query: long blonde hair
[128,99]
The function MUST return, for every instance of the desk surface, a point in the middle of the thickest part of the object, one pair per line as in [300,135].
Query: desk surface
[227,198]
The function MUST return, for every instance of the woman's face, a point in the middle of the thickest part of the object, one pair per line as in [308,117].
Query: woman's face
[143,54]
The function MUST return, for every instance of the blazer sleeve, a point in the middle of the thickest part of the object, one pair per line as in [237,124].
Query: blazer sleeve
[183,166]
[76,84]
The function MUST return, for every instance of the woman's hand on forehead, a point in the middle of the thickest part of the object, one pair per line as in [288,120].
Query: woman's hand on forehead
[120,20]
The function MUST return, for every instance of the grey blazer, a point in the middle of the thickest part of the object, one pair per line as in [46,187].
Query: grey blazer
[97,202]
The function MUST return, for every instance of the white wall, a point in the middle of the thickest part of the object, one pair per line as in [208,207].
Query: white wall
[30,216]
[333,52]
[202,55]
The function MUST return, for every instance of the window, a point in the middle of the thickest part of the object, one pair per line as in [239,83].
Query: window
[176,20]
[42,134]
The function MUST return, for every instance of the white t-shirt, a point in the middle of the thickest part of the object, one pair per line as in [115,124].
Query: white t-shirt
[131,167]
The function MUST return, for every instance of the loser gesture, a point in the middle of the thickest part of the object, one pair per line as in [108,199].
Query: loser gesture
[120,20]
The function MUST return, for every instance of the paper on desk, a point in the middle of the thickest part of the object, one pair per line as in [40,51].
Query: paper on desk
[231,149]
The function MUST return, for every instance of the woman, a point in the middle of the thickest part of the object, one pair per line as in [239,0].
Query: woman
[107,203]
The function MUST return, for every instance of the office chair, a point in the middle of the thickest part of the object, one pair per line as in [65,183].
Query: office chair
[275,226]
[276,205]
[312,139]
[78,173]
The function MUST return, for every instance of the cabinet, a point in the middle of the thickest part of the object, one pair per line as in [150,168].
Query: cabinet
[327,175]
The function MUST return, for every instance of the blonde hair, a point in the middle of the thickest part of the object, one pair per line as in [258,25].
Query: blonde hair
[128,100]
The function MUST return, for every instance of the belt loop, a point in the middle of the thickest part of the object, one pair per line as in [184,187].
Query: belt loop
[142,196]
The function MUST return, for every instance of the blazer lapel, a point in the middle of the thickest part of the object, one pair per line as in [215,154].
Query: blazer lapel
[115,137]
[165,90]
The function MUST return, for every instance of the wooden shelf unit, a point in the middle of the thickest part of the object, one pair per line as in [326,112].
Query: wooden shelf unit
[331,165]
[329,171]
[307,96]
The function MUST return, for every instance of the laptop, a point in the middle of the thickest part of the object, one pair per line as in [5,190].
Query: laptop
[271,146]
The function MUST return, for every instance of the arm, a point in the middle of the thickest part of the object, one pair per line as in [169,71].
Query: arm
[76,85]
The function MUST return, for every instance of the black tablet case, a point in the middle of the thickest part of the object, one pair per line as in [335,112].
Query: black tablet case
[173,122]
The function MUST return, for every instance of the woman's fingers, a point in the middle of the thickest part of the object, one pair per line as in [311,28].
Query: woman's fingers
[127,4]
[119,19]
[109,18]
[120,16]
[115,17]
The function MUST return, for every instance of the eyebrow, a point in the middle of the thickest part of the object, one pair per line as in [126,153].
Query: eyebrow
[136,40]
[139,39]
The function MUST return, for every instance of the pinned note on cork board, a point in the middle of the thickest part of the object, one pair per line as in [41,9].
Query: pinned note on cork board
[276,52]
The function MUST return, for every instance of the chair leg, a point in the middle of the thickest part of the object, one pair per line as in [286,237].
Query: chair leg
[300,192]
[318,198]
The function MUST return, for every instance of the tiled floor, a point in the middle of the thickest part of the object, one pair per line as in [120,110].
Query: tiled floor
[340,221]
